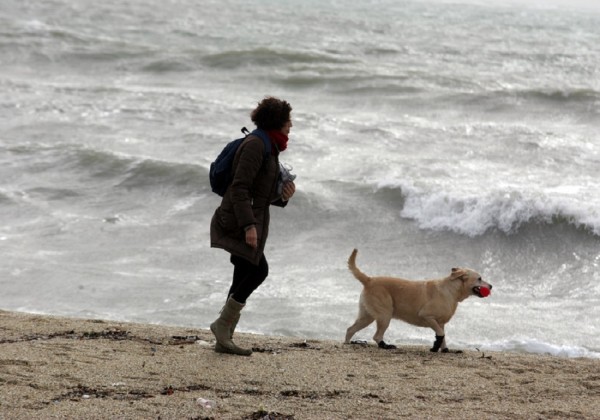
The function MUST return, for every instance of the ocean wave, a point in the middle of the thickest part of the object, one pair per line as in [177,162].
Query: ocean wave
[556,95]
[266,57]
[584,100]
[155,173]
[167,65]
[134,172]
[109,168]
[29,31]
[506,211]
[111,54]
[53,193]
[348,84]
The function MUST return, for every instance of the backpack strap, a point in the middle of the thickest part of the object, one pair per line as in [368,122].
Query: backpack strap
[262,134]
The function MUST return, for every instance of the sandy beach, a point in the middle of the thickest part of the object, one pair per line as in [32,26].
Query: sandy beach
[52,367]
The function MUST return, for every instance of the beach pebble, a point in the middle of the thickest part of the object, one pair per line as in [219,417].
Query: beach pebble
[206,403]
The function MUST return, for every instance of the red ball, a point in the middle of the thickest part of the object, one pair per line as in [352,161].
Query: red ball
[484,291]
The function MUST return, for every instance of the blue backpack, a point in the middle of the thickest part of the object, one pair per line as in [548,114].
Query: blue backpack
[221,169]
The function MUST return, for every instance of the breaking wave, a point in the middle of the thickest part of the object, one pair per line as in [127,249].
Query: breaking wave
[503,211]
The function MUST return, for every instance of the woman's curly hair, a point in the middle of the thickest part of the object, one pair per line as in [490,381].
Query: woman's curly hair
[271,113]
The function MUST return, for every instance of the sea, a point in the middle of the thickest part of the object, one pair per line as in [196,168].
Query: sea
[426,134]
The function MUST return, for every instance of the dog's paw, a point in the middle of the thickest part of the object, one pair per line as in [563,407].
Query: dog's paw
[383,345]
[439,340]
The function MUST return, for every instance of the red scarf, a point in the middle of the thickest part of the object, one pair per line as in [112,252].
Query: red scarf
[280,140]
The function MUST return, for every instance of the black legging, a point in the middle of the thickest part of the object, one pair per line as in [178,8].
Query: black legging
[247,277]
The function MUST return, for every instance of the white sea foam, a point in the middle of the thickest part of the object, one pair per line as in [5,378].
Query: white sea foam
[528,345]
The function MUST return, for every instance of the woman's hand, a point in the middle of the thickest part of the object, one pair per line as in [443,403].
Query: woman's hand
[252,237]
[288,190]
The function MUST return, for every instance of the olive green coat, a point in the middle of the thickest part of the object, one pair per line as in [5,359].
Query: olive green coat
[246,201]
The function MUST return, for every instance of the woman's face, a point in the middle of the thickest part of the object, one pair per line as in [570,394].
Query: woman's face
[286,127]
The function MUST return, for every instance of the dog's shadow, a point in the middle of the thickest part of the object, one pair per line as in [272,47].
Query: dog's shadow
[385,346]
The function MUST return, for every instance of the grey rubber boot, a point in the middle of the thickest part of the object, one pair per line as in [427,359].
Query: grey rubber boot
[223,328]
[219,348]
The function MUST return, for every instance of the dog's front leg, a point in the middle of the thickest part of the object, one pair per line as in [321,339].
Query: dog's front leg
[440,336]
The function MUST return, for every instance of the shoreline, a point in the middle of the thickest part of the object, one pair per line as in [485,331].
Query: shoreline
[56,367]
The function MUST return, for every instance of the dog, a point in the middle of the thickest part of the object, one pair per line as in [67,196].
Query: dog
[429,303]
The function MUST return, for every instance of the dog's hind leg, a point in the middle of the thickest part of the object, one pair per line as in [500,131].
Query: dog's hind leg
[362,321]
[382,326]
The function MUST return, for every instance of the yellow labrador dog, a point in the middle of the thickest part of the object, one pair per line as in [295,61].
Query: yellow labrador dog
[423,303]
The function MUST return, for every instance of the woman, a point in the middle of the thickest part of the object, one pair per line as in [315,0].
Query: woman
[240,224]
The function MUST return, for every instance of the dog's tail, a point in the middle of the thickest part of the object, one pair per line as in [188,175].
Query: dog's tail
[362,277]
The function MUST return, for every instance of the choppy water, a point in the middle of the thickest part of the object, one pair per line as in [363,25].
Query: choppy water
[427,134]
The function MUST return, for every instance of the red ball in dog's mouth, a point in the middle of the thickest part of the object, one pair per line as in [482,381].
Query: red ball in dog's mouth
[483,291]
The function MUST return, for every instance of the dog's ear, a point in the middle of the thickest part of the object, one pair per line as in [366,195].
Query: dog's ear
[457,273]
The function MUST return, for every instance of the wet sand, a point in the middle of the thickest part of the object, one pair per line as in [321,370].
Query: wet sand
[52,367]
